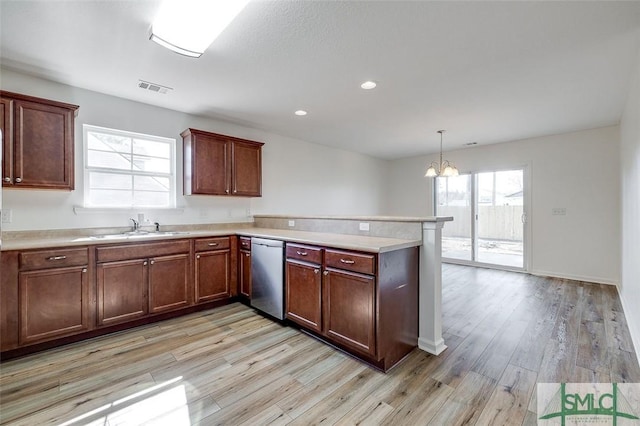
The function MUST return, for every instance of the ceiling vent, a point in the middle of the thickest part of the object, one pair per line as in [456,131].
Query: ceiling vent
[153,87]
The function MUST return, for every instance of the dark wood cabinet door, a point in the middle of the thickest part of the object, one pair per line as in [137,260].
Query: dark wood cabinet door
[210,165]
[168,283]
[53,303]
[245,273]
[43,146]
[349,309]
[122,291]
[213,275]
[247,169]
[6,123]
[303,295]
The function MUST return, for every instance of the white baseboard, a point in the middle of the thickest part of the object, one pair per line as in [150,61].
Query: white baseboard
[595,280]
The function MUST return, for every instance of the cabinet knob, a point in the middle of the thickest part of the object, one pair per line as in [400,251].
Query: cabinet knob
[325,273]
[153,261]
[18,180]
[315,271]
[84,270]
[7,179]
[145,263]
[226,190]
[198,257]
[247,255]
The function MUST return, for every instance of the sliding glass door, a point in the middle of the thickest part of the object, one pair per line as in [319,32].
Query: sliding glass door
[489,218]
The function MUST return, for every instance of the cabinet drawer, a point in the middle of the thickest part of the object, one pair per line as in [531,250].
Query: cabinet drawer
[245,243]
[53,258]
[141,251]
[208,244]
[350,261]
[306,253]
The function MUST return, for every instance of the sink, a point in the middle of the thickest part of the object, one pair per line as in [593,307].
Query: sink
[137,234]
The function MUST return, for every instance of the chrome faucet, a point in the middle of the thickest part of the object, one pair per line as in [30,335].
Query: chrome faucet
[136,225]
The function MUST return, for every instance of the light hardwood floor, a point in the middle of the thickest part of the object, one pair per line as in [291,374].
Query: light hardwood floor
[505,332]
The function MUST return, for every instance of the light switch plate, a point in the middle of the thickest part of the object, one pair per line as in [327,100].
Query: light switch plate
[292,223]
[364,226]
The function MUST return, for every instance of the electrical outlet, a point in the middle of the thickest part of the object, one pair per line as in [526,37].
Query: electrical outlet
[292,223]
[364,226]
[558,211]
[6,216]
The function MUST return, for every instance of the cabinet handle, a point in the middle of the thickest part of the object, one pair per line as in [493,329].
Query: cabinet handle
[212,244]
[18,180]
[348,262]
[56,258]
[7,179]
[325,273]
[84,270]
[302,253]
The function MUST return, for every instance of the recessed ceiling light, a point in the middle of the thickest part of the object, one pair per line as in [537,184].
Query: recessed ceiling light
[368,85]
[300,112]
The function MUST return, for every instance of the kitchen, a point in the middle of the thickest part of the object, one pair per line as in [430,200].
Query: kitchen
[301,178]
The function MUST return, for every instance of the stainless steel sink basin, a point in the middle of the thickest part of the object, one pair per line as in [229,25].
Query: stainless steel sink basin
[137,234]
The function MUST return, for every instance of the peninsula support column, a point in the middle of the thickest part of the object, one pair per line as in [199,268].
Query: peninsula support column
[430,298]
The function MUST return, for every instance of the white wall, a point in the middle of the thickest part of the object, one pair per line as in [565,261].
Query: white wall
[298,177]
[630,188]
[577,171]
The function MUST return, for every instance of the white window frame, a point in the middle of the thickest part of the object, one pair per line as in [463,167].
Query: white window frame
[86,128]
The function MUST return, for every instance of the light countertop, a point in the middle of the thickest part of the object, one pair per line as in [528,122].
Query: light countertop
[46,239]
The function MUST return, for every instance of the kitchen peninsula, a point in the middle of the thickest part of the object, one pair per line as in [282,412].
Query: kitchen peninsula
[181,255]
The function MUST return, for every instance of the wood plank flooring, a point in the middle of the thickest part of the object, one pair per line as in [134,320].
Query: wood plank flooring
[505,332]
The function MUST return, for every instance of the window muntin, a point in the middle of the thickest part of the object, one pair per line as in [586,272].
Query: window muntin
[126,170]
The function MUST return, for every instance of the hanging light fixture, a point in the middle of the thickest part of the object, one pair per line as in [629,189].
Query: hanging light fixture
[444,168]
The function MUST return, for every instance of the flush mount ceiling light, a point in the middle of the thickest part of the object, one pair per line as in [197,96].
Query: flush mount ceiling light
[368,85]
[444,169]
[188,27]
[300,112]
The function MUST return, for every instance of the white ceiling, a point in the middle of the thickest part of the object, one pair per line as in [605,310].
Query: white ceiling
[487,72]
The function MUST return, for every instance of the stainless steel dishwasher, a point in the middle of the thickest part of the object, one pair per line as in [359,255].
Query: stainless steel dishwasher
[267,276]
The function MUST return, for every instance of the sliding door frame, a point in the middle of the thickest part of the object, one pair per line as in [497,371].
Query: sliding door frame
[526,201]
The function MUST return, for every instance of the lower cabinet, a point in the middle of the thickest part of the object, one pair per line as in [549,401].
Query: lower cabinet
[169,283]
[53,303]
[212,266]
[349,310]
[244,267]
[122,291]
[137,280]
[303,294]
[45,295]
[366,304]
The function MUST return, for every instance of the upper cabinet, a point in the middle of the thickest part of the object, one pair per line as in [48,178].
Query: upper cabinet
[37,142]
[216,164]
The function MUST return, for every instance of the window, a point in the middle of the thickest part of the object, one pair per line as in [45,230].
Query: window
[126,170]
